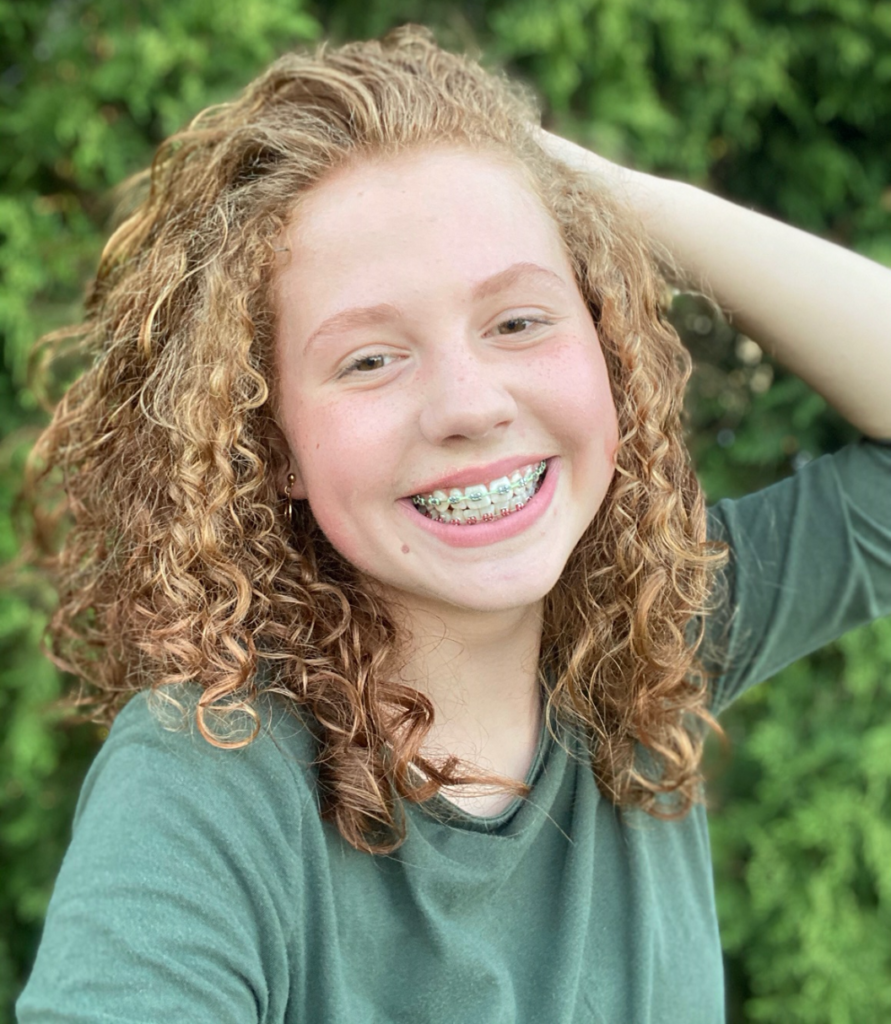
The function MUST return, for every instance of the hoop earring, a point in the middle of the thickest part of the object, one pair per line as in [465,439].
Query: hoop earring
[288,498]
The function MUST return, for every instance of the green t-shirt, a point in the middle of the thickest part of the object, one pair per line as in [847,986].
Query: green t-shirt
[202,886]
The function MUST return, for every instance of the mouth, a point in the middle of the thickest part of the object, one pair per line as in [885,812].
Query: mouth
[483,502]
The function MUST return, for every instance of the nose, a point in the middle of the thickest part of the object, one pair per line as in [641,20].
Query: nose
[467,396]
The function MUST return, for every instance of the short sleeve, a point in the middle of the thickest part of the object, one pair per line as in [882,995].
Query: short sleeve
[179,889]
[810,559]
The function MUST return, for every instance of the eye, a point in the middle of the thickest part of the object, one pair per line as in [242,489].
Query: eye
[365,364]
[520,324]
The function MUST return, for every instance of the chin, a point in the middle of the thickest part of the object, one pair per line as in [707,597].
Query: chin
[503,596]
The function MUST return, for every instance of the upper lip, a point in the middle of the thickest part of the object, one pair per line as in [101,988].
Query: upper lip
[482,474]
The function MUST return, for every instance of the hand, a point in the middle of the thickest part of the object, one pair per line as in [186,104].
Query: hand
[584,160]
[822,311]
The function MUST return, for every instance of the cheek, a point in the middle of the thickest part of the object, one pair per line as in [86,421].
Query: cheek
[343,453]
[330,454]
[575,382]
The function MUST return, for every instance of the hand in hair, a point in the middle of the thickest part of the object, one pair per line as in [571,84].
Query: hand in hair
[820,309]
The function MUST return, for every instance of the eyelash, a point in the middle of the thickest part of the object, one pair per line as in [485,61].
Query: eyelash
[354,364]
[523,319]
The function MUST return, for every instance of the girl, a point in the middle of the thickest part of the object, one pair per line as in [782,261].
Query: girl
[420,741]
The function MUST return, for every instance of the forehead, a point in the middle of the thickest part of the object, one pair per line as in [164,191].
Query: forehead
[406,219]
[431,177]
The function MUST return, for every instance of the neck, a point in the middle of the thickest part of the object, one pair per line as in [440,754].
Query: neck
[480,670]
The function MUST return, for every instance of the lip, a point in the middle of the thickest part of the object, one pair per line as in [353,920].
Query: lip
[478,474]
[498,530]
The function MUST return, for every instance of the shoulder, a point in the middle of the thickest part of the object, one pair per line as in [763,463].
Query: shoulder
[858,474]
[155,755]
[160,800]
[186,874]
[165,721]
[810,559]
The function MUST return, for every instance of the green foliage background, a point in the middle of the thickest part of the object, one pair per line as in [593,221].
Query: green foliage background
[784,106]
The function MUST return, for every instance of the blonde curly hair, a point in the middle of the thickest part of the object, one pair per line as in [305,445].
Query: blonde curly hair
[155,489]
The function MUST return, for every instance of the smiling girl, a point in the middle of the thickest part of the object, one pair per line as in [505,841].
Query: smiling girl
[420,740]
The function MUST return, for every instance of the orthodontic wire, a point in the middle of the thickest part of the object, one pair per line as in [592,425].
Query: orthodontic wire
[499,492]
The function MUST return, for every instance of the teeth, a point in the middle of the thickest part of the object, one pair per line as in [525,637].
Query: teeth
[456,499]
[481,502]
[500,489]
[478,499]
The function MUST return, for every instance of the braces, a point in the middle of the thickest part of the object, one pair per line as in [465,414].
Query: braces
[477,495]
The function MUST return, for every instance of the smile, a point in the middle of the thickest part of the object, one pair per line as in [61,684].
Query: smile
[483,503]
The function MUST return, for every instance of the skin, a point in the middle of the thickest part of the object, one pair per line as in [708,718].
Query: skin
[444,381]
[819,309]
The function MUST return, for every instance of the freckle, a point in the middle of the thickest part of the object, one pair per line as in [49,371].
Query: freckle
[405,549]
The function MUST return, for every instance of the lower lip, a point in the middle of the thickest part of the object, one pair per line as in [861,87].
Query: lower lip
[500,529]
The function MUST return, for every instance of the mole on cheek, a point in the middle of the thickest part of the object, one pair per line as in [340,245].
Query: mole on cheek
[405,549]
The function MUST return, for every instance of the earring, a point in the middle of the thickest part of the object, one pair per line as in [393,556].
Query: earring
[288,498]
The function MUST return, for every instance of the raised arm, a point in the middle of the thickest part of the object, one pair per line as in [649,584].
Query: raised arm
[822,311]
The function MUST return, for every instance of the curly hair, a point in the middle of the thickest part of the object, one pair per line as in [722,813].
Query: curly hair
[155,489]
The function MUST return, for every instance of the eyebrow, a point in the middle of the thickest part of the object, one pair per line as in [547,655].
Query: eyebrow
[370,316]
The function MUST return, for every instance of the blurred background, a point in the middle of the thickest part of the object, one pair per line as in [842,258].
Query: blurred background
[782,105]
